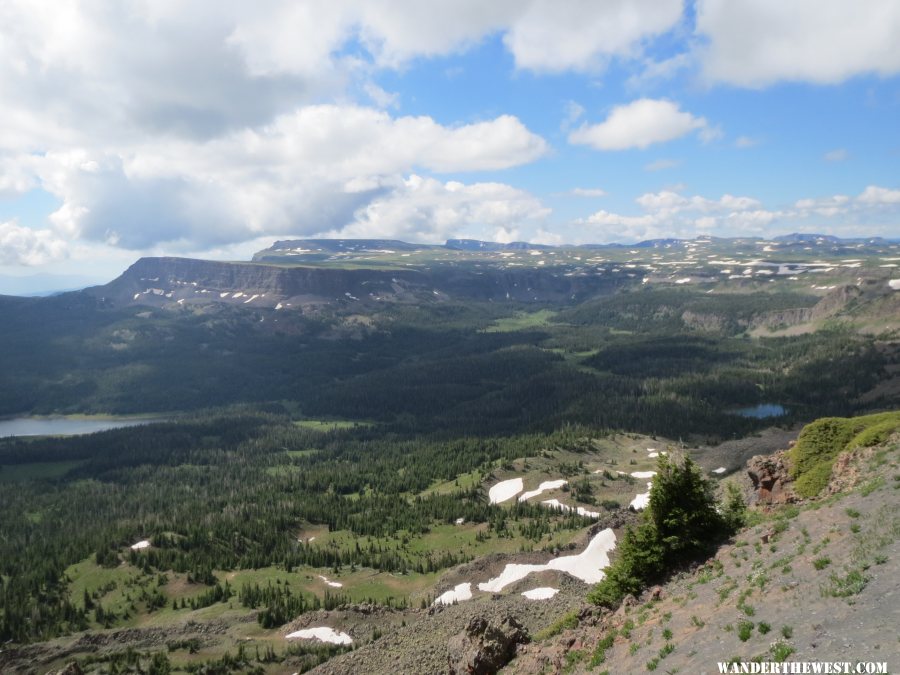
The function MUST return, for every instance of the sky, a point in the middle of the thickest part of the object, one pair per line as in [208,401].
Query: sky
[211,129]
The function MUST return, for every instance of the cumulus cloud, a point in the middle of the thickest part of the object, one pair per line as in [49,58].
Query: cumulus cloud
[584,34]
[668,213]
[755,43]
[21,245]
[639,124]
[426,209]
[307,172]
[876,195]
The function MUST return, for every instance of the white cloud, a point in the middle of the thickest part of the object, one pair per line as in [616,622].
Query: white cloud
[662,164]
[425,209]
[638,124]
[309,171]
[21,245]
[574,112]
[583,34]
[653,71]
[837,155]
[876,195]
[755,43]
[670,214]
[587,192]
[744,142]
[380,97]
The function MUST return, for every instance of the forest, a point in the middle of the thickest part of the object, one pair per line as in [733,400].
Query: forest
[326,443]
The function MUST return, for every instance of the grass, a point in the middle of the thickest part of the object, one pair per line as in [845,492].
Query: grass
[821,563]
[521,321]
[744,630]
[845,586]
[781,650]
[566,622]
[605,643]
[822,441]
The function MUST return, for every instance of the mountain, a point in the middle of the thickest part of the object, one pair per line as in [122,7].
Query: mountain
[188,282]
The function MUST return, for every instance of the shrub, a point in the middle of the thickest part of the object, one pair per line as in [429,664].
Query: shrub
[820,442]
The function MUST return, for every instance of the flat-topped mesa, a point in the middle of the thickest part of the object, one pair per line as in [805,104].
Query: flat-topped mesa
[283,250]
[162,282]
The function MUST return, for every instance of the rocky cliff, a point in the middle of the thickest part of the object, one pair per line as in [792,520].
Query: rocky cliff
[185,281]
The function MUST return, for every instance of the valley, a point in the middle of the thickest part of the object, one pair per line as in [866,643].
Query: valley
[350,438]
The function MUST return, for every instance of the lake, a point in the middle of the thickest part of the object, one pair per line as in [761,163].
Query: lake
[762,410]
[65,426]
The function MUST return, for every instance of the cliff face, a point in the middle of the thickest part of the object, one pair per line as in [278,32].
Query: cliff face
[184,281]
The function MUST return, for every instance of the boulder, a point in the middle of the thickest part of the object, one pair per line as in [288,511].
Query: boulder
[484,647]
[772,482]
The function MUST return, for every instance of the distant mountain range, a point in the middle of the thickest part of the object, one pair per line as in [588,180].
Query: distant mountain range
[310,247]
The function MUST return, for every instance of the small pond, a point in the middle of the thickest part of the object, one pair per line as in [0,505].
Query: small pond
[762,411]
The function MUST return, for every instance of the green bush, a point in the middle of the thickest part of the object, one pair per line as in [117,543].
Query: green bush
[820,442]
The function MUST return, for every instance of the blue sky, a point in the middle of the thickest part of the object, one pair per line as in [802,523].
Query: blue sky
[146,128]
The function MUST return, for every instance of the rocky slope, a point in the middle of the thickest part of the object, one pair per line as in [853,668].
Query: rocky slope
[808,581]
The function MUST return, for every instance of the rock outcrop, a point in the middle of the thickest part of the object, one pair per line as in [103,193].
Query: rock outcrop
[484,646]
[772,482]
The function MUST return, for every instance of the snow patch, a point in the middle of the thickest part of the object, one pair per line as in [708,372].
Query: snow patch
[543,487]
[720,470]
[322,634]
[643,474]
[505,490]
[459,593]
[541,593]
[140,545]
[581,511]
[587,566]
[333,584]
[894,284]
[642,500]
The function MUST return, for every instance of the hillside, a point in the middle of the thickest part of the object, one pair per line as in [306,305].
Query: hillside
[354,443]
[811,580]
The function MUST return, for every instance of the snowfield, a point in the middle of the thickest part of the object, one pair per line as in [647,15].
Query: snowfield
[322,634]
[587,566]
[505,490]
[581,511]
[542,593]
[457,594]
[543,487]
[642,500]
